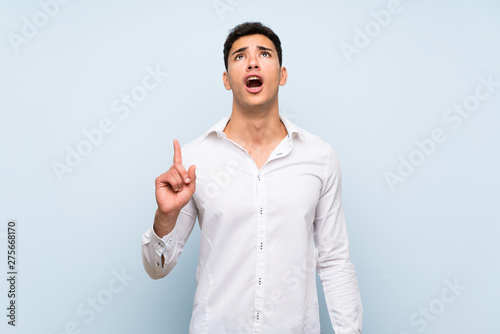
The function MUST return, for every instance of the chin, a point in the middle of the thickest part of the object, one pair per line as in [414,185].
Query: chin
[257,101]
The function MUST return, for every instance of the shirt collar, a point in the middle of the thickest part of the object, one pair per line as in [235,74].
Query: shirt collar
[218,128]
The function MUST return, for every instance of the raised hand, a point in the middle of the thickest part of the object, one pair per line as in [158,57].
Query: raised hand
[175,187]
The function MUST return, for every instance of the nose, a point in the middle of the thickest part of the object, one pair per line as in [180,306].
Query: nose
[252,62]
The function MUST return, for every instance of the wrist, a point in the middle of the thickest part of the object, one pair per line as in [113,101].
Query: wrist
[166,215]
[164,222]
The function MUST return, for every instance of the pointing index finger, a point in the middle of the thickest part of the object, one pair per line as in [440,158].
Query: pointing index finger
[177,153]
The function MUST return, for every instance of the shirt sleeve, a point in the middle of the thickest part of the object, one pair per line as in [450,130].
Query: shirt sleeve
[170,246]
[337,273]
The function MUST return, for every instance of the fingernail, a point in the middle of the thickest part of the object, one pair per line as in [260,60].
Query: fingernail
[187,179]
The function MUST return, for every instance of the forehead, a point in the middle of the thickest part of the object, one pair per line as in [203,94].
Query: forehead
[251,41]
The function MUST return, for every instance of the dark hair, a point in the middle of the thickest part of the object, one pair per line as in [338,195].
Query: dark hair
[250,28]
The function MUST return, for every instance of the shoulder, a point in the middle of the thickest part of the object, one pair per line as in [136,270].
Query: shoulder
[314,146]
[200,148]
[194,149]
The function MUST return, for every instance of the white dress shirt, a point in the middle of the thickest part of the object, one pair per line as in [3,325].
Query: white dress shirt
[264,233]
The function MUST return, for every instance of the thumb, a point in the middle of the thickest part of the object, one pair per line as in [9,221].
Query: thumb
[191,173]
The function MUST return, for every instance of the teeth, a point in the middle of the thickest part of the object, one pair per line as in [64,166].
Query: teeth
[253,78]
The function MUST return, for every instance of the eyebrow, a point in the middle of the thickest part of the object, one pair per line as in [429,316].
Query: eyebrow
[246,47]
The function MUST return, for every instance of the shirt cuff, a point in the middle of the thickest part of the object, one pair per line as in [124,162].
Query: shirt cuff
[162,246]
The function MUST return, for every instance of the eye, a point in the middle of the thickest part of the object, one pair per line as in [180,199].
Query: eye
[238,57]
[266,53]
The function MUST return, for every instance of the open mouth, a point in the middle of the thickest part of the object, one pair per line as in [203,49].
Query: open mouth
[253,82]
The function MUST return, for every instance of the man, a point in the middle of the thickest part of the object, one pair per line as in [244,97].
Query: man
[267,195]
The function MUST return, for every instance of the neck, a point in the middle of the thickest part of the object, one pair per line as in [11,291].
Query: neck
[256,126]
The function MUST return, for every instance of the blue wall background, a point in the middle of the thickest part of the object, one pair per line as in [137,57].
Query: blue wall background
[407,92]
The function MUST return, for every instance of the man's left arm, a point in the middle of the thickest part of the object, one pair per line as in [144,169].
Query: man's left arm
[335,269]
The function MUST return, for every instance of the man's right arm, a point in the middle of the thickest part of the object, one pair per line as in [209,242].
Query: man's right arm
[162,244]
[161,248]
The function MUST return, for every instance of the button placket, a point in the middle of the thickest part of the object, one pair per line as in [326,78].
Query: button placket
[261,203]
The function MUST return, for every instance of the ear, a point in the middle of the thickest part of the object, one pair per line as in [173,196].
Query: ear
[225,80]
[283,76]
